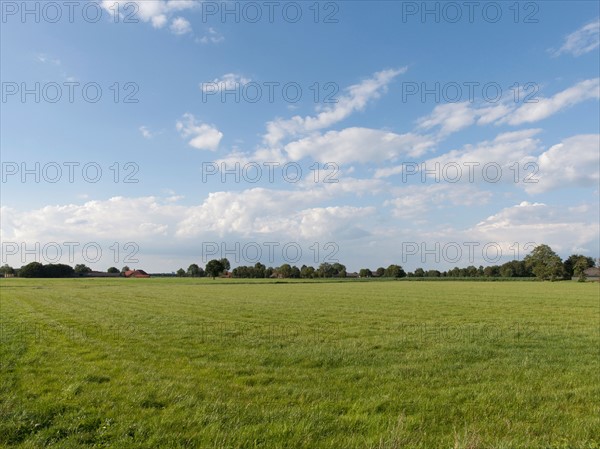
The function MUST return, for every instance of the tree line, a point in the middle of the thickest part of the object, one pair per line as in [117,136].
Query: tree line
[542,263]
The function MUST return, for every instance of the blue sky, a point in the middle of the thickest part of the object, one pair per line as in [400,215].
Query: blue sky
[374,60]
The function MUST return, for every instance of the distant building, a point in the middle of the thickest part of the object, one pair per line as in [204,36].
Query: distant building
[136,274]
[101,274]
[592,274]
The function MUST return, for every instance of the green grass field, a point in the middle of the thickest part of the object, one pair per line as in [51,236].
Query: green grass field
[169,363]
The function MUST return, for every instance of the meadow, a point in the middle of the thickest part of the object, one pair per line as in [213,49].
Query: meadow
[197,363]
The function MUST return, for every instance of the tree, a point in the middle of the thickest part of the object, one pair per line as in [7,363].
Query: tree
[285,271]
[112,270]
[226,264]
[380,271]
[339,270]
[81,269]
[181,272]
[419,273]
[471,271]
[6,269]
[215,268]
[544,263]
[365,273]
[124,269]
[325,270]
[295,272]
[307,272]
[394,271]
[32,270]
[572,260]
[59,270]
[259,270]
[579,269]
[195,271]
[491,271]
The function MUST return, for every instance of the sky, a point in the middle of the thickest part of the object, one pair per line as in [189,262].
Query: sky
[157,134]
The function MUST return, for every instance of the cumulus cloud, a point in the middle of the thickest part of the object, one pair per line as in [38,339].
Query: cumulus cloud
[155,12]
[244,213]
[229,82]
[355,99]
[203,136]
[416,201]
[564,230]
[180,26]
[572,163]
[358,145]
[118,217]
[581,41]
[212,36]
[504,150]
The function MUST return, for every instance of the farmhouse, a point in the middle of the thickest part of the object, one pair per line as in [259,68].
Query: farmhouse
[136,274]
[592,274]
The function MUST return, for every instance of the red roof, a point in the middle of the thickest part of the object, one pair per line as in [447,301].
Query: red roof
[136,274]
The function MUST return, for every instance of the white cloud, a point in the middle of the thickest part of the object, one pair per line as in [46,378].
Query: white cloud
[244,213]
[203,136]
[118,218]
[452,117]
[146,133]
[572,163]
[156,12]
[545,107]
[355,99]
[212,37]
[582,41]
[358,145]
[229,81]
[505,149]
[180,26]
[416,201]
[539,223]
[45,59]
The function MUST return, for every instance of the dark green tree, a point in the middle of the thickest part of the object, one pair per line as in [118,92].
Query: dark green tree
[579,269]
[226,264]
[113,270]
[81,269]
[545,263]
[394,271]
[572,260]
[307,272]
[285,271]
[325,270]
[339,270]
[6,269]
[365,273]
[59,270]
[32,270]
[214,268]
[195,271]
